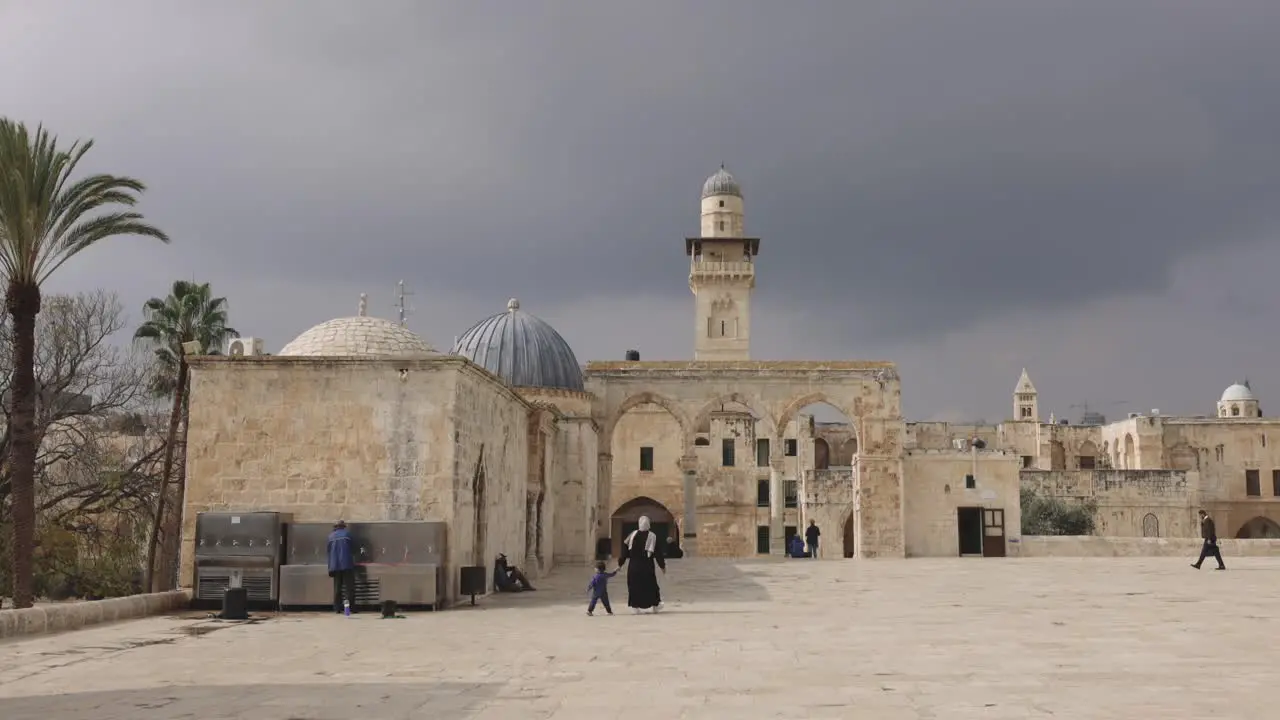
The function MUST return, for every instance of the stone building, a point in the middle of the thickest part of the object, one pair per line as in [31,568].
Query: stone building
[1148,473]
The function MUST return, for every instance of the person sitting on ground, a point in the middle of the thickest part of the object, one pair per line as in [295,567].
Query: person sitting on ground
[795,548]
[508,578]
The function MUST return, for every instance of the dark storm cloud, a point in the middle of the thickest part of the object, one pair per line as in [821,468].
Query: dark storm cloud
[923,164]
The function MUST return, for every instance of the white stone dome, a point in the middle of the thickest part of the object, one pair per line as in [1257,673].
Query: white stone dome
[1239,392]
[358,337]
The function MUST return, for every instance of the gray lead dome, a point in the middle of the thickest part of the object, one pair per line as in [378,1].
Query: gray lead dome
[521,349]
[722,183]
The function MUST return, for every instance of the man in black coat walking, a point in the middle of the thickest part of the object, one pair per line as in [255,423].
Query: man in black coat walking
[1210,547]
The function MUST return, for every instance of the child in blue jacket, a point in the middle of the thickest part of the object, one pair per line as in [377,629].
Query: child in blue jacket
[599,589]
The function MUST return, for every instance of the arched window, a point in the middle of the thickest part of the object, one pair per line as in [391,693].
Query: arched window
[1235,410]
[1150,525]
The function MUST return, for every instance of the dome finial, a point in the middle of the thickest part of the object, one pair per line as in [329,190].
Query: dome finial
[513,304]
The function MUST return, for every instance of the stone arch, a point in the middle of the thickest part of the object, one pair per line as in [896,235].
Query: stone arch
[624,519]
[1184,457]
[821,454]
[1057,455]
[1128,452]
[1259,527]
[645,398]
[1150,525]
[796,405]
[769,430]
[1087,450]
[843,456]
[849,541]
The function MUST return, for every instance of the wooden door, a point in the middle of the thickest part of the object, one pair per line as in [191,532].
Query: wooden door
[993,532]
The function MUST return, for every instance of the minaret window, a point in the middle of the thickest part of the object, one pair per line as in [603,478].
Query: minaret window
[721,203]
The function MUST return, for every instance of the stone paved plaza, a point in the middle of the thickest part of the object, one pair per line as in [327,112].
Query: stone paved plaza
[1065,638]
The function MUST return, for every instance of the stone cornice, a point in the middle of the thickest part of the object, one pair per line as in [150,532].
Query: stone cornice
[731,368]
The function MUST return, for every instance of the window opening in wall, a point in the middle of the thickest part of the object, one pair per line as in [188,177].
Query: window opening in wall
[1235,410]
[1027,460]
[762,493]
[970,483]
[722,330]
[1252,485]
[722,225]
[762,452]
[1150,525]
[1086,462]
[791,496]
[762,539]
[726,452]
[721,203]
[1218,452]
[791,447]
[702,442]
[1264,439]
[646,459]
[1026,413]
[1275,483]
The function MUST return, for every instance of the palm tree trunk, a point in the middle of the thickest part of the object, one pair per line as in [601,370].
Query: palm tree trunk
[171,550]
[22,302]
[170,446]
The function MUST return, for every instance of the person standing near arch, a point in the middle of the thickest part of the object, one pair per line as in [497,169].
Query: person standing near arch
[811,535]
[644,552]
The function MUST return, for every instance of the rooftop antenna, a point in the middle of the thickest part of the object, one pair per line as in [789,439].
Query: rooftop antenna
[401,308]
[364,304]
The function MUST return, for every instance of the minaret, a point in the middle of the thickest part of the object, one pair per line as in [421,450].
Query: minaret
[722,273]
[1026,403]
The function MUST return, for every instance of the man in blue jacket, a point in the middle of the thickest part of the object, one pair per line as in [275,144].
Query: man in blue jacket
[342,567]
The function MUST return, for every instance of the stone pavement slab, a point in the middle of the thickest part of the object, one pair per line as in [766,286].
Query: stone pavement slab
[1087,639]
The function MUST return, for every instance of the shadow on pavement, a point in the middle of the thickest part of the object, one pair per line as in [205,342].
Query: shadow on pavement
[260,702]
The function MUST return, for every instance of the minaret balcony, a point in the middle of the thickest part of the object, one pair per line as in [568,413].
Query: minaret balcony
[721,270]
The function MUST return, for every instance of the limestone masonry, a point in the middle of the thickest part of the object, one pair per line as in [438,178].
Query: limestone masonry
[524,451]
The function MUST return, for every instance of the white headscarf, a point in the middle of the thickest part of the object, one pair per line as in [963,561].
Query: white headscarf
[650,543]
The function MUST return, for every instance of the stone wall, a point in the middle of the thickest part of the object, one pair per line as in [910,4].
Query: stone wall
[59,617]
[1094,546]
[360,439]
[1131,503]
[934,490]
[489,431]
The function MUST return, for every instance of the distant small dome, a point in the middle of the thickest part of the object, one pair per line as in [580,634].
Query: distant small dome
[521,349]
[358,337]
[722,183]
[1239,392]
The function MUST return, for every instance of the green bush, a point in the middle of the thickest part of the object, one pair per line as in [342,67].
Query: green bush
[88,564]
[1044,515]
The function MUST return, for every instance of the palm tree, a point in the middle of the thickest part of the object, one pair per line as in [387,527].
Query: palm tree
[45,219]
[190,321]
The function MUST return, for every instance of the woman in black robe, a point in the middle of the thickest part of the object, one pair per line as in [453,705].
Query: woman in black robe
[644,550]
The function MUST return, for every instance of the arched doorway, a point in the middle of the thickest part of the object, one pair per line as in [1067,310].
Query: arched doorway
[849,546]
[627,518]
[821,454]
[1259,528]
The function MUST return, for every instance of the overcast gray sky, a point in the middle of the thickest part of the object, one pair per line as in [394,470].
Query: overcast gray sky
[1088,189]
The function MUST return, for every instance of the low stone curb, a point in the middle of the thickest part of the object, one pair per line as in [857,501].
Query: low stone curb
[1094,546]
[75,615]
